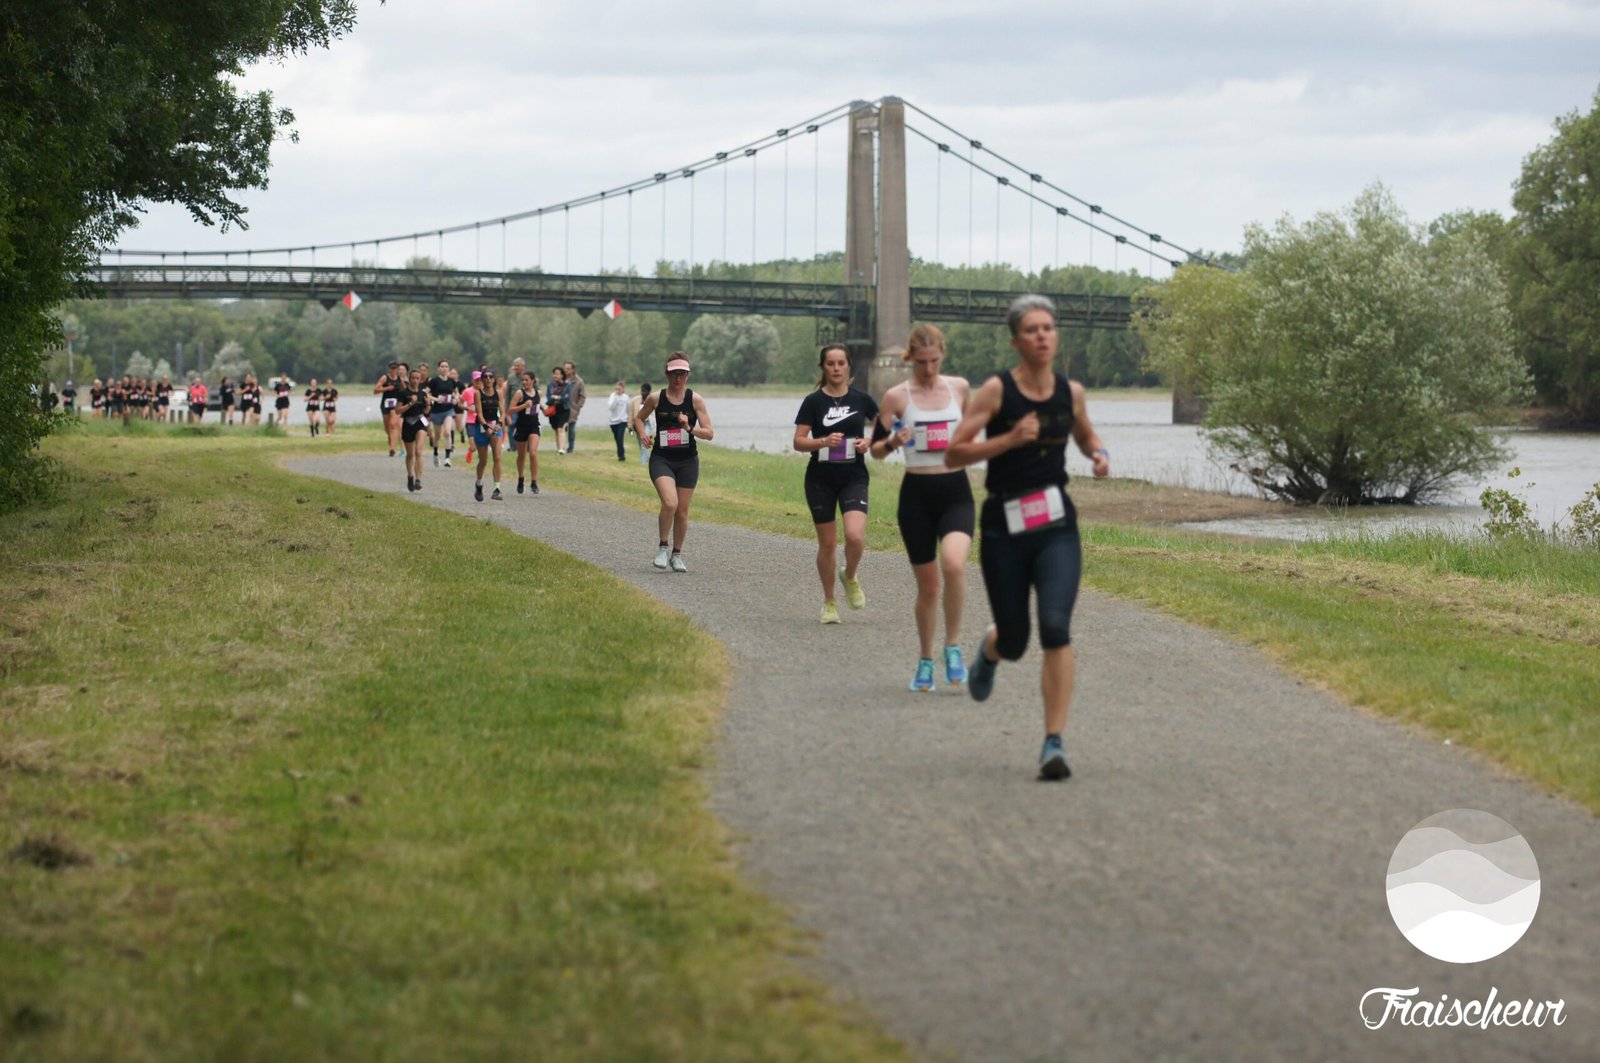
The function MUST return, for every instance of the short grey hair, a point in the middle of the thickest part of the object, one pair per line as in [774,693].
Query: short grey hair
[1023,305]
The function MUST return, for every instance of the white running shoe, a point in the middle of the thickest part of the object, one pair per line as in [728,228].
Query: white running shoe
[661,555]
[677,563]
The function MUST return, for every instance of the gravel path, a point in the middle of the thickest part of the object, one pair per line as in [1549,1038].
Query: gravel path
[1209,884]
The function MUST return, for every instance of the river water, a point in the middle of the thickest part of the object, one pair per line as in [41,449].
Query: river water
[1557,467]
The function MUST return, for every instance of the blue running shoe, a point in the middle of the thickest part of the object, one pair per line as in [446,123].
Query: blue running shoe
[1053,760]
[922,682]
[980,682]
[955,669]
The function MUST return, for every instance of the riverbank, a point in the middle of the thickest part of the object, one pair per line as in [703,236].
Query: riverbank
[288,774]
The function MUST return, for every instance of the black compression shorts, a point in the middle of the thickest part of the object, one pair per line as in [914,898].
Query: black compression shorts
[932,505]
[685,473]
[828,493]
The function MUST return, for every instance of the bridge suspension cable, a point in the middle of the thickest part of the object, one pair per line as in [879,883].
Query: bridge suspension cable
[662,178]
[1036,178]
[1003,182]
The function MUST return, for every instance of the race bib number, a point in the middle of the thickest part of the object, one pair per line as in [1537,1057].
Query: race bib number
[390,403]
[675,437]
[1031,512]
[845,451]
[931,436]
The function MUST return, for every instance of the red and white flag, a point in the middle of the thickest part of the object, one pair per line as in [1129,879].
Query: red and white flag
[613,309]
[351,300]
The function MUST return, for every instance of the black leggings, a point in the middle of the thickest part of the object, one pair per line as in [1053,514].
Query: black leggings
[1050,561]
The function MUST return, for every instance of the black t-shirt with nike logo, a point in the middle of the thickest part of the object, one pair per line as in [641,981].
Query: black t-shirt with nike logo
[851,413]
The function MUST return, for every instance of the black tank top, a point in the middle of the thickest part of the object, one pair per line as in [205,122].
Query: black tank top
[488,406]
[1043,462]
[529,416]
[667,419]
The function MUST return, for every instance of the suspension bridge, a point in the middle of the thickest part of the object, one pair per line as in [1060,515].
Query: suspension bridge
[871,306]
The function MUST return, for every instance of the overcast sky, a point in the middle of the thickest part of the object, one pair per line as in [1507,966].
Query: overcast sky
[1189,119]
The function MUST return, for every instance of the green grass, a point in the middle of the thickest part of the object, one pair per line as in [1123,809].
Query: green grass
[350,778]
[1494,645]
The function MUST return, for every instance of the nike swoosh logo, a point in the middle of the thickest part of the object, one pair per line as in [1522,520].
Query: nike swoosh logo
[835,415]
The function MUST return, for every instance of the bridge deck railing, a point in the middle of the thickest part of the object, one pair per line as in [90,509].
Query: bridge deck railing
[584,293]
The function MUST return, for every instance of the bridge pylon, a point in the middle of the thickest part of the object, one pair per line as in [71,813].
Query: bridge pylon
[877,262]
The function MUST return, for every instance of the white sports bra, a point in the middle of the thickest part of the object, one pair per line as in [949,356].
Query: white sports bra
[931,430]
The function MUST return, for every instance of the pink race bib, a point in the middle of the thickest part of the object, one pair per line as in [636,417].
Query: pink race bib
[675,437]
[1041,509]
[931,436]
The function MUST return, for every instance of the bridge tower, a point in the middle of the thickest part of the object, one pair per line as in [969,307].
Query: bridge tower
[877,263]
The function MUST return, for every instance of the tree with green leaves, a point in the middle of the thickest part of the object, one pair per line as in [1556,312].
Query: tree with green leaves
[1349,361]
[1555,264]
[732,350]
[105,106]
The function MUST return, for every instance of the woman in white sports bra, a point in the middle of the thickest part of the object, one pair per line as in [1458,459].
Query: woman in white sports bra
[936,512]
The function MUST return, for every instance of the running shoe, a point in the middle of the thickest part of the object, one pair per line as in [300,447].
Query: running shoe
[391,453]
[436,459]
[980,683]
[519,486]
[477,492]
[955,669]
[830,612]
[534,489]
[661,555]
[447,463]
[495,496]
[1053,759]
[678,564]
[852,591]
[922,682]
[411,485]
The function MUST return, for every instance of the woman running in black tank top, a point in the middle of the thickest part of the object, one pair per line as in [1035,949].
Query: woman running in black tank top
[681,419]
[1029,527]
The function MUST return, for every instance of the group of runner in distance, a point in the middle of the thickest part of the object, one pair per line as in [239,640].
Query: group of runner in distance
[1018,421]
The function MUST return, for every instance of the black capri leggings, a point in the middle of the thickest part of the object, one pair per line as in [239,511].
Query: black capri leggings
[1050,561]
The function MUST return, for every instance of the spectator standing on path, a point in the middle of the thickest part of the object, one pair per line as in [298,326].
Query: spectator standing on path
[617,410]
[577,395]
[555,398]
[634,406]
[1029,525]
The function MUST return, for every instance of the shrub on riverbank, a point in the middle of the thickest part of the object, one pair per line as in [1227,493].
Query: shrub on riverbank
[1349,361]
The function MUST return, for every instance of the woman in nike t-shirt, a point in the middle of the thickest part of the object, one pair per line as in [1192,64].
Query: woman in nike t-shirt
[833,426]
